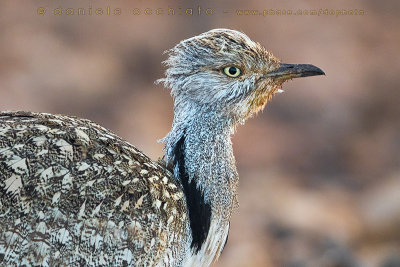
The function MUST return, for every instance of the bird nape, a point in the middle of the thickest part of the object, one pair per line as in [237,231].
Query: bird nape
[73,193]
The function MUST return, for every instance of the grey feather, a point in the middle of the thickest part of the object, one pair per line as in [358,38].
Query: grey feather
[74,194]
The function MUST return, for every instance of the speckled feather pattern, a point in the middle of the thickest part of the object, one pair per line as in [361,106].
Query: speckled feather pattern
[72,194]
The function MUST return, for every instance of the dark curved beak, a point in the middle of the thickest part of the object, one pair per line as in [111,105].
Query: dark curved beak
[289,71]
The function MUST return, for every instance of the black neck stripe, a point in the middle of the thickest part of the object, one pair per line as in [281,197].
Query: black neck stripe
[199,211]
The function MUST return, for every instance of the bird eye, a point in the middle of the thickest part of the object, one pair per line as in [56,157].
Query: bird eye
[232,71]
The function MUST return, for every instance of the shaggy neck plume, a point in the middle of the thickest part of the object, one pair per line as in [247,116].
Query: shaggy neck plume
[201,152]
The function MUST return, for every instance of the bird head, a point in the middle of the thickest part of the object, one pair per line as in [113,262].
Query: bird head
[225,71]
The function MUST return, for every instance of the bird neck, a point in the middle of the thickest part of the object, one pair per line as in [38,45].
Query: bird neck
[208,161]
[202,155]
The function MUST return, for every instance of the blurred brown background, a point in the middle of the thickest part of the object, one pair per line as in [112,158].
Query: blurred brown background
[319,168]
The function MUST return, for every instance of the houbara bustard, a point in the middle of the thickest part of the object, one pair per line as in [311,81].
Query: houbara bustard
[72,193]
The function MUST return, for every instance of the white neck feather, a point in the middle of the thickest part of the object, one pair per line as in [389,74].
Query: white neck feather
[213,246]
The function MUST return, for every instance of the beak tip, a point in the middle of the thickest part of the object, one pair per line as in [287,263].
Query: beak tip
[320,72]
[311,70]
